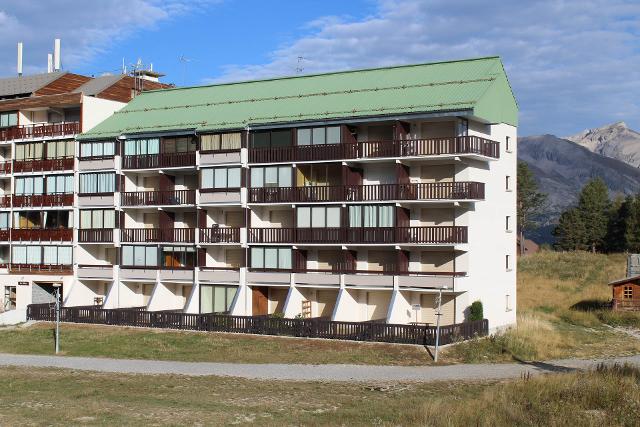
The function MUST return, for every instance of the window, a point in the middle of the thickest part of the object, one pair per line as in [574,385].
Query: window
[271,258]
[178,257]
[507,262]
[319,136]
[57,219]
[8,119]
[274,138]
[508,303]
[183,144]
[221,142]
[59,184]
[220,178]
[29,151]
[371,216]
[97,149]
[4,220]
[139,147]
[628,292]
[140,256]
[97,183]
[51,255]
[97,218]
[272,176]
[507,183]
[216,299]
[60,149]
[29,185]
[507,144]
[27,219]
[507,223]
[318,217]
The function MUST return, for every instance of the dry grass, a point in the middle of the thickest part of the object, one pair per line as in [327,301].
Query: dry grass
[135,343]
[557,293]
[57,397]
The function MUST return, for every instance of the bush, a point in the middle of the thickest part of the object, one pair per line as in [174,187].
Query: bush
[475,311]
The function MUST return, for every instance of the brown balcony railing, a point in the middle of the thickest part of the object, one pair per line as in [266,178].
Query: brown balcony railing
[5,201]
[41,268]
[378,149]
[361,193]
[95,235]
[158,198]
[39,131]
[43,165]
[5,235]
[163,160]
[365,235]
[220,235]
[5,168]
[174,235]
[42,235]
[43,200]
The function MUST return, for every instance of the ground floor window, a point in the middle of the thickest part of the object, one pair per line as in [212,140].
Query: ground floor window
[628,292]
[216,298]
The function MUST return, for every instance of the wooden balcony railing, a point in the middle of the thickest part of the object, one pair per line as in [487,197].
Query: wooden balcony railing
[365,235]
[158,198]
[42,235]
[43,200]
[39,131]
[43,165]
[174,235]
[41,268]
[5,168]
[362,193]
[378,149]
[95,235]
[163,160]
[220,235]
[392,271]
[5,235]
[5,201]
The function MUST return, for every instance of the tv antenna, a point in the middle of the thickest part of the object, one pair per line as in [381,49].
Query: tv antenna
[299,67]
[185,64]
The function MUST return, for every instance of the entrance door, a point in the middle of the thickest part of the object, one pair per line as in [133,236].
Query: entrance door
[9,298]
[260,300]
[43,293]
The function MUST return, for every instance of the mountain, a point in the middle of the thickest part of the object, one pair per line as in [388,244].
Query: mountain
[562,167]
[615,140]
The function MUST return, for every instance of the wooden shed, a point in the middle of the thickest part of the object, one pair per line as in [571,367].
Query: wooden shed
[626,293]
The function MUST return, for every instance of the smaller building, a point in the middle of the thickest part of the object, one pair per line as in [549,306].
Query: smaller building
[626,293]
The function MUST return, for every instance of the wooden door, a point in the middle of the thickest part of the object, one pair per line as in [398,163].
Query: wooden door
[260,300]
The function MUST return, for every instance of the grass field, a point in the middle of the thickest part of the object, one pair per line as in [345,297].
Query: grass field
[555,293]
[55,397]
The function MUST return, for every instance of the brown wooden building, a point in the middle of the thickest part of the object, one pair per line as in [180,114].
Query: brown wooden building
[626,293]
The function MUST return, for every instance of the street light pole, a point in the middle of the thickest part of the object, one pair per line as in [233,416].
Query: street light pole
[57,297]
[438,314]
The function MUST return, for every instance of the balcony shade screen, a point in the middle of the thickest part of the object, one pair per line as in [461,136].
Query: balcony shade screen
[97,183]
[140,147]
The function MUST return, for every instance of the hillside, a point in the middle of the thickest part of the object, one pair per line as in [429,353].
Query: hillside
[616,141]
[562,168]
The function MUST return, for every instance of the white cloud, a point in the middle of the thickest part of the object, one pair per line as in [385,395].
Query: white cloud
[87,27]
[572,63]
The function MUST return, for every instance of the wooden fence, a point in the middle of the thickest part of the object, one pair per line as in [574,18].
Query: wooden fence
[263,325]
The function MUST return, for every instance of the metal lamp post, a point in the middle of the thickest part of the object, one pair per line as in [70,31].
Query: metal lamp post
[57,297]
[438,314]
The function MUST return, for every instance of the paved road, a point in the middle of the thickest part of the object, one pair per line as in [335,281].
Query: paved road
[310,372]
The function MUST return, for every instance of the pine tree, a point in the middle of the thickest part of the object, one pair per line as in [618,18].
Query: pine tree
[570,232]
[620,215]
[593,208]
[531,202]
[632,225]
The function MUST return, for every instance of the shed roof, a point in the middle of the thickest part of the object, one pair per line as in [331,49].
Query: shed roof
[10,86]
[625,280]
[478,86]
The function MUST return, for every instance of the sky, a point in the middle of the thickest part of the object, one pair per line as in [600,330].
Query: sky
[573,64]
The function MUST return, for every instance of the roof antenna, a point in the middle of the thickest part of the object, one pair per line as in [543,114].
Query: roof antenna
[185,63]
[299,67]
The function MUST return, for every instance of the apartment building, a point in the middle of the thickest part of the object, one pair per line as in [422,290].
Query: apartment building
[40,115]
[354,196]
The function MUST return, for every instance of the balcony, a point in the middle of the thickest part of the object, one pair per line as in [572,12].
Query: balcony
[5,168]
[43,165]
[158,198]
[97,271]
[42,130]
[164,160]
[5,201]
[41,235]
[172,235]
[378,149]
[364,193]
[220,235]
[388,235]
[43,200]
[40,269]
[95,235]
[5,235]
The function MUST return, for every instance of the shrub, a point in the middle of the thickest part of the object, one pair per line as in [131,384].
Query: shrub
[475,311]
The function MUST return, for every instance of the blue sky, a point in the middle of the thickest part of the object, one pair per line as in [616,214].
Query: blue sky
[573,64]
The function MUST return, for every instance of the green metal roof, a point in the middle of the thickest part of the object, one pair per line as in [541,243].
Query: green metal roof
[476,85]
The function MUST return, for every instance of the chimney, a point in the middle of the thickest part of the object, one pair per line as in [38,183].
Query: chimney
[49,63]
[19,59]
[56,55]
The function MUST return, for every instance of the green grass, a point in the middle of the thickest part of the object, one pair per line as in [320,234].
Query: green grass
[62,397]
[134,343]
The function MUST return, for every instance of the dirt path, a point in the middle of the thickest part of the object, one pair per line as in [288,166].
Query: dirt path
[311,372]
